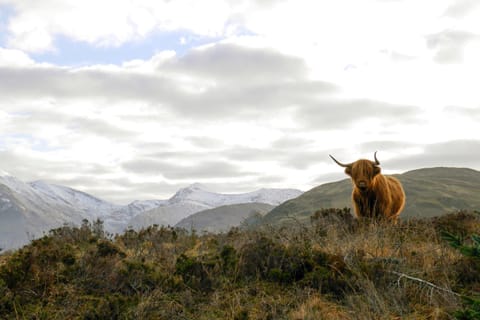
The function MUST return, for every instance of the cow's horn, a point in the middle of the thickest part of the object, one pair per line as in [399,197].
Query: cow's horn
[375,157]
[339,163]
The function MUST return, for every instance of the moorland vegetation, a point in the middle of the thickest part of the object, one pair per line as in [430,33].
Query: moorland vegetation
[333,267]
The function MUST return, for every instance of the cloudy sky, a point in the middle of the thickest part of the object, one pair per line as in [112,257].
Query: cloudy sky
[134,99]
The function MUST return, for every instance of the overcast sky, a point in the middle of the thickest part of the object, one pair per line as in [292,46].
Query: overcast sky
[134,99]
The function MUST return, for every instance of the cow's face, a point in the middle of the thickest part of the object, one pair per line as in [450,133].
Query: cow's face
[362,173]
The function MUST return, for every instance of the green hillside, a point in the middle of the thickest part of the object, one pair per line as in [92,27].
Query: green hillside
[430,192]
[223,218]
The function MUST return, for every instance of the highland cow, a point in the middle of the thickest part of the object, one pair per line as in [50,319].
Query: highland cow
[374,195]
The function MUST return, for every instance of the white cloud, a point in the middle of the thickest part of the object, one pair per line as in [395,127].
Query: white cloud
[287,83]
[9,57]
[112,22]
[461,8]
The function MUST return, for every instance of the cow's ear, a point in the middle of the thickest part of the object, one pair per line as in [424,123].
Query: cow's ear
[348,170]
[376,170]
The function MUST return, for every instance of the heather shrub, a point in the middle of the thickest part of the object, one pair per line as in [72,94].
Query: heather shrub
[195,273]
[325,220]
[331,268]
[462,223]
[467,269]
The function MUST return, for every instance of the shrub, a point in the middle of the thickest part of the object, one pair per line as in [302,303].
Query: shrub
[328,218]
[461,223]
[269,260]
[272,261]
[229,259]
[471,308]
[334,215]
[107,248]
[195,273]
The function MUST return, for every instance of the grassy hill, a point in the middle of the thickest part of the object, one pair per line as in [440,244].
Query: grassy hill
[336,268]
[223,218]
[430,192]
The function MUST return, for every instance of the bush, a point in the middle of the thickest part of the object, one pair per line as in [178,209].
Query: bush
[107,248]
[332,218]
[306,267]
[471,308]
[195,273]
[229,260]
[462,223]
[269,260]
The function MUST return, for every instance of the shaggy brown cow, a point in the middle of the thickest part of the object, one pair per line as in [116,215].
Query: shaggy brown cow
[374,195]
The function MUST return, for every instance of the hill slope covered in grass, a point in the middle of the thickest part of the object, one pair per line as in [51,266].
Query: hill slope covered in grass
[223,218]
[430,192]
[333,268]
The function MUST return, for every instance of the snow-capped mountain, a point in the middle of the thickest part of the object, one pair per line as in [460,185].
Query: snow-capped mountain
[91,207]
[196,198]
[197,193]
[117,220]
[28,210]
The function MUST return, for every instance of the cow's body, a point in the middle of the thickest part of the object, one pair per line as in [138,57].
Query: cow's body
[374,195]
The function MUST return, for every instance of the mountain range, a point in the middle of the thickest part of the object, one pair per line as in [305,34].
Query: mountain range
[28,210]
[196,198]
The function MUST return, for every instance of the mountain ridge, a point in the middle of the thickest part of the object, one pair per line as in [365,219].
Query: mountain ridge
[29,209]
[195,198]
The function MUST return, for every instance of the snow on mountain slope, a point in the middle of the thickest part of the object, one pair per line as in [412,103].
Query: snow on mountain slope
[118,220]
[195,198]
[196,193]
[91,208]
[30,200]
[28,210]
[271,196]
[13,228]
[59,205]
[26,213]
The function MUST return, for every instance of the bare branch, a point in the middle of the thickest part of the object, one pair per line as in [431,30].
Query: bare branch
[434,286]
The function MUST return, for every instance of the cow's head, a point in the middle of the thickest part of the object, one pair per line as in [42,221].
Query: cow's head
[361,171]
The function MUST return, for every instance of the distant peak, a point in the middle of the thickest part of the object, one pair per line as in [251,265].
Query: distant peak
[197,186]
[39,182]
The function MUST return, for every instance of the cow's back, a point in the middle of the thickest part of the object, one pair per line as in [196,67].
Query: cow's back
[397,195]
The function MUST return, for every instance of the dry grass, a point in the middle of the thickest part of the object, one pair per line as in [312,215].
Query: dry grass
[317,307]
[335,268]
[403,271]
